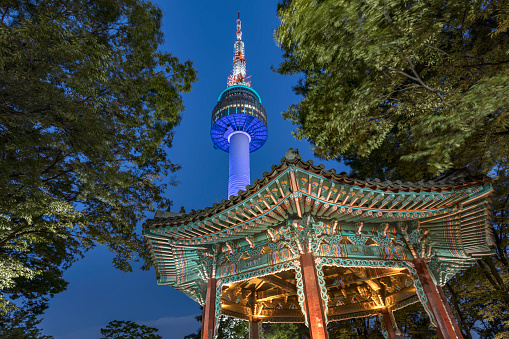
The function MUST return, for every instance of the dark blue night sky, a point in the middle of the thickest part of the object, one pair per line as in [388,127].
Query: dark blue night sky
[204,32]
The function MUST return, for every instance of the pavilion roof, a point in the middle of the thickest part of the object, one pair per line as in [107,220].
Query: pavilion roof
[454,207]
[450,181]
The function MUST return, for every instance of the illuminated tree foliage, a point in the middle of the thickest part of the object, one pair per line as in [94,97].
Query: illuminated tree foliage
[232,328]
[88,104]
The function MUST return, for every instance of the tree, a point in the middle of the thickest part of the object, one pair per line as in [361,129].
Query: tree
[285,331]
[355,328]
[128,330]
[414,321]
[20,325]
[232,328]
[428,78]
[229,327]
[405,91]
[88,104]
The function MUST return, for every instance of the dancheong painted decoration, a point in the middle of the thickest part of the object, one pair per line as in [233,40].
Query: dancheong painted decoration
[305,244]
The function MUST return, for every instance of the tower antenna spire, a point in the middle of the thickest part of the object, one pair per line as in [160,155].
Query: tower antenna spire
[238,76]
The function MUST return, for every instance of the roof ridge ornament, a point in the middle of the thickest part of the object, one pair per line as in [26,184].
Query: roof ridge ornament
[292,154]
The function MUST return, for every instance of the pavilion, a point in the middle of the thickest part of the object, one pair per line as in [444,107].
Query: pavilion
[306,244]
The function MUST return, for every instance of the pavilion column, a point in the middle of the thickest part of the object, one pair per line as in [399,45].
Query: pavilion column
[385,319]
[312,298]
[254,329]
[446,323]
[449,312]
[388,321]
[209,311]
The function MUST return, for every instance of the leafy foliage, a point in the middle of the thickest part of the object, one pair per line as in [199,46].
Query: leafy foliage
[427,78]
[50,259]
[21,325]
[228,328]
[231,328]
[413,320]
[128,330]
[355,328]
[285,331]
[87,107]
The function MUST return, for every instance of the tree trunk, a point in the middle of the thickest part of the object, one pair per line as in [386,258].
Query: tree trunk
[494,278]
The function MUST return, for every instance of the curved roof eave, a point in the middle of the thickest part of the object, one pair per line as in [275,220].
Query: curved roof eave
[454,180]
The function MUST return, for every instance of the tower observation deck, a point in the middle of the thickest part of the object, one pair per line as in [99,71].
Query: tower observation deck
[239,120]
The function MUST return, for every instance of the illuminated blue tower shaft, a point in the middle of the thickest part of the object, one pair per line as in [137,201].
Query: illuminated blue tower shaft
[239,172]
[239,121]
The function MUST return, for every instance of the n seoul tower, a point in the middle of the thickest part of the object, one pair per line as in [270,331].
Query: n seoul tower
[239,121]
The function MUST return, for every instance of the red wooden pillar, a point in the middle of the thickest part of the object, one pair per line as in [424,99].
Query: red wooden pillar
[209,311]
[386,318]
[313,300]
[449,312]
[254,328]
[446,324]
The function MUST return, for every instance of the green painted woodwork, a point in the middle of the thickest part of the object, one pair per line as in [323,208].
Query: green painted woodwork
[323,287]
[300,290]
[382,325]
